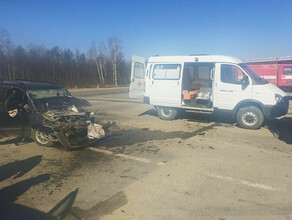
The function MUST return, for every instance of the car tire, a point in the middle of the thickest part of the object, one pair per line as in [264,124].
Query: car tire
[250,117]
[167,113]
[41,138]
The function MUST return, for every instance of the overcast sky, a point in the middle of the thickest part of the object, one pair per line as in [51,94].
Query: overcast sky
[244,29]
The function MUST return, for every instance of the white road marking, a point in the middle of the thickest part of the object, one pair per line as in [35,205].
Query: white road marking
[124,156]
[120,155]
[245,182]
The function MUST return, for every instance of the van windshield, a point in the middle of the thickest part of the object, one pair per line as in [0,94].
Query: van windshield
[256,79]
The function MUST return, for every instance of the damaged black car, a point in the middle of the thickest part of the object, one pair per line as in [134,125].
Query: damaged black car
[47,113]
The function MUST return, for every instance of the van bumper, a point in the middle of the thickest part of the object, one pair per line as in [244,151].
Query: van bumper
[280,109]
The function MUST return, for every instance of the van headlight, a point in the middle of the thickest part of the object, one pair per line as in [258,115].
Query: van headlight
[279,98]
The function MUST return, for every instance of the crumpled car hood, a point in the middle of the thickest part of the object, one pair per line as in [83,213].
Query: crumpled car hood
[59,103]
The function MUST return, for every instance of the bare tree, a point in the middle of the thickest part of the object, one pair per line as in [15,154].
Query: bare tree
[62,66]
[101,55]
[6,46]
[98,56]
[116,57]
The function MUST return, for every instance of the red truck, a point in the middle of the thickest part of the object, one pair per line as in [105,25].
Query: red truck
[277,71]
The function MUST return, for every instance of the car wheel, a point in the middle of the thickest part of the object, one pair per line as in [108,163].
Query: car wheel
[250,117]
[167,113]
[41,139]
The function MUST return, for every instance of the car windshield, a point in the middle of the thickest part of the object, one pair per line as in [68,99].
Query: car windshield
[256,79]
[48,93]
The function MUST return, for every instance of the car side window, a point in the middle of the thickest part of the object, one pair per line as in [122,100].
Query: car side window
[231,74]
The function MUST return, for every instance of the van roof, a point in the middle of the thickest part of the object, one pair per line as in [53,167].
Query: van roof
[194,58]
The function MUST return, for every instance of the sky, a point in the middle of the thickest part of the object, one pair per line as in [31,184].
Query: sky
[243,29]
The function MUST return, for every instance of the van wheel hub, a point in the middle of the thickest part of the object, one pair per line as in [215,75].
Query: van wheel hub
[42,138]
[166,112]
[250,118]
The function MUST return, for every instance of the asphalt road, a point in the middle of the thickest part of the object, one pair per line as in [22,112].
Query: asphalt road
[195,167]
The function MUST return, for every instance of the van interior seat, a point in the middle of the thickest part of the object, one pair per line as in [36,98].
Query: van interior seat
[202,83]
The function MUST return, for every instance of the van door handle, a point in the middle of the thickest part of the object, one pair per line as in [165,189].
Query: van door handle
[222,90]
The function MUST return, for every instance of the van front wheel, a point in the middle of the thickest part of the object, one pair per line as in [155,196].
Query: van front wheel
[167,113]
[250,117]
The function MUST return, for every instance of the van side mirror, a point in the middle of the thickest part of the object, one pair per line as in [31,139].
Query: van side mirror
[245,80]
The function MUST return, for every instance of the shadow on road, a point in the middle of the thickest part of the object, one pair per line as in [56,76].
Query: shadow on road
[11,210]
[135,136]
[151,112]
[281,128]
[21,141]
[8,195]
[19,167]
[16,141]
[207,118]
[102,208]
[198,117]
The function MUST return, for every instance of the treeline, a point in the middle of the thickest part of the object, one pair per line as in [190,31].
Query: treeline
[102,64]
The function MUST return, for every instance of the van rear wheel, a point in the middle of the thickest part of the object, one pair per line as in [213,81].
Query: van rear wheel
[167,113]
[250,117]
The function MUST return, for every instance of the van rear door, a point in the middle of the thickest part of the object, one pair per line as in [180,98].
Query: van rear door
[137,77]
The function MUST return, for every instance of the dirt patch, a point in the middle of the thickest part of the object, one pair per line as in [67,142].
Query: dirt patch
[65,168]
[134,136]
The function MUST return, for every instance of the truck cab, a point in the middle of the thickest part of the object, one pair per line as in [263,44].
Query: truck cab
[206,83]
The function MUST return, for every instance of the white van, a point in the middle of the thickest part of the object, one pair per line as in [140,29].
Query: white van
[206,83]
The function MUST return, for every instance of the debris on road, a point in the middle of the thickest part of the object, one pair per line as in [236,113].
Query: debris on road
[95,131]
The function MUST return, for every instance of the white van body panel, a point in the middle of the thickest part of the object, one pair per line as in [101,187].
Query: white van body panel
[265,94]
[166,92]
[208,58]
[148,79]
[226,95]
